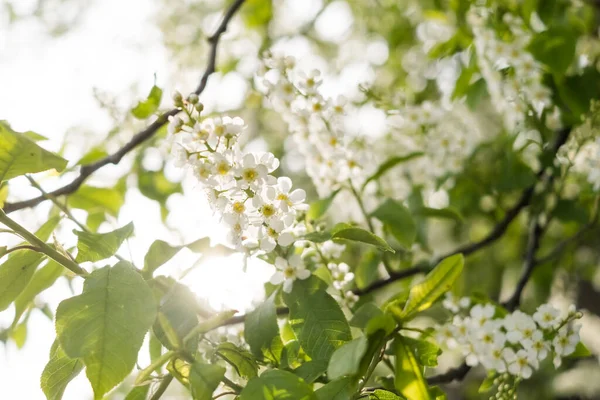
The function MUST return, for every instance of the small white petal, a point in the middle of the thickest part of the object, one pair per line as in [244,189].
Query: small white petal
[277,278]
[285,184]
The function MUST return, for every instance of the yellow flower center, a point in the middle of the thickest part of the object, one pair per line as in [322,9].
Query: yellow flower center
[250,174]
[288,272]
[239,207]
[268,210]
[223,168]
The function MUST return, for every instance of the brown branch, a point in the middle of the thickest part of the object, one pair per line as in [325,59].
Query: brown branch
[87,170]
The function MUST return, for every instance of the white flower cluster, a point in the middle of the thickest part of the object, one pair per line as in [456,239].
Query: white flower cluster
[513,344]
[512,75]
[316,124]
[259,209]
[587,161]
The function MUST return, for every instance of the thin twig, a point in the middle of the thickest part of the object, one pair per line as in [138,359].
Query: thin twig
[87,170]
[164,384]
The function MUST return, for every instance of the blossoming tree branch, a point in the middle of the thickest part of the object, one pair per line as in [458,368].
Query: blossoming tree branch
[450,247]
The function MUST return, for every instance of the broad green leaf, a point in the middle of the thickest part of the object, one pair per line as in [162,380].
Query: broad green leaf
[445,213]
[106,324]
[177,316]
[488,383]
[146,108]
[316,318]
[204,379]
[383,322]
[95,199]
[138,393]
[59,371]
[311,370]
[409,374]
[356,234]
[154,185]
[366,271]
[384,395]
[94,154]
[36,137]
[435,284]
[155,347]
[16,272]
[391,163]
[260,327]
[338,389]
[364,314]
[99,246]
[555,47]
[580,351]
[18,334]
[20,155]
[317,237]
[241,360]
[346,359]
[396,217]
[277,385]
[42,279]
[159,253]
[426,352]
[318,208]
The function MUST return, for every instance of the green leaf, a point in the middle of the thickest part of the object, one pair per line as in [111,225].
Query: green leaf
[177,316]
[257,13]
[16,272]
[241,360]
[59,371]
[356,234]
[317,237]
[159,253]
[391,163]
[106,324]
[18,334]
[277,385]
[426,352]
[364,314]
[409,374]
[338,389]
[318,208]
[138,393]
[146,108]
[96,199]
[260,327]
[366,271]
[488,383]
[384,395]
[555,47]
[98,246]
[204,379]
[383,322]
[316,318]
[435,284]
[346,359]
[445,213]
[42,279]
[311,370]
[396,217]
[19,155]
[580,351]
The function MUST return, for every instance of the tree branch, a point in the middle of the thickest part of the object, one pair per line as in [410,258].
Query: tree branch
[496,233]
[87,170]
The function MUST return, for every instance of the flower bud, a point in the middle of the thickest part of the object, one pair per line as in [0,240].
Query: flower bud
[177,98]
[192,98]
[199,107]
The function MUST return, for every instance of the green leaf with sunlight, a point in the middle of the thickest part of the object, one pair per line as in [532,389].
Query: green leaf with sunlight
[555,47]
[42,279]
[20,155]
[176,317]
[346,359]
[146,108]
[426,352]
[397,219]
[384,395]
[96,199]
[318,208]
[204,379]
[355,234]
[17,271]
[99,246]
[317,319]
[59,371]
[443,213]
[277,385]
[409,378]
[260,327]
[106,324]
[159,253]
[338,389]
[436,283]
[391,163]
[240,359]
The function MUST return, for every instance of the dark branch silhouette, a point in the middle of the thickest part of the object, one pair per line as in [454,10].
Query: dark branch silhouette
[87,170]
